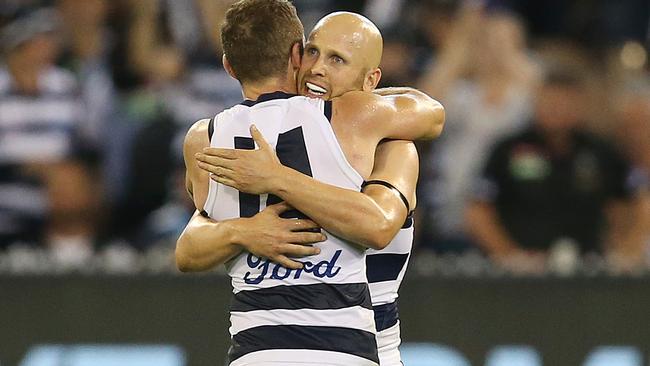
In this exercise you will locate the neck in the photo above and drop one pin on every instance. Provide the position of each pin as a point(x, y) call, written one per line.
point(252, 91)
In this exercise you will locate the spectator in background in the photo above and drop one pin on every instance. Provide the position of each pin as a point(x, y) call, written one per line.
point(485, 79)
point(552, 184)
point(46, 186)
point(88, 43)
point(174, 46)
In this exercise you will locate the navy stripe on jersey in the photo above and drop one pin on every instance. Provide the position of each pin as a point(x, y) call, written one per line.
point(408, 222)
point(320, 296)
point(386, 316)
point(345, 340)
point(211, 128)
point(292, 152)
point(249, 204)
point(384, 267)
point(267, 97)
point(328, 110)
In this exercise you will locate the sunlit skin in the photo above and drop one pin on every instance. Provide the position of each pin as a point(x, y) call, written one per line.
point(342, 54)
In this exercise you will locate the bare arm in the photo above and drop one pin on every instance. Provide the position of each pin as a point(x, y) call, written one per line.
point(206, 243)
point(371, 218)
point(196, 180)
point(392, 113)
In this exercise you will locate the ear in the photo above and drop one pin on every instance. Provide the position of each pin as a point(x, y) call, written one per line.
point(228, 67)
point(371, 80)
point(296, 55)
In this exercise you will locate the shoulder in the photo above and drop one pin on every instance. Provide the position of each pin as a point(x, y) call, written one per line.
point(358, 104)
point(197, 137)
point(356, 99)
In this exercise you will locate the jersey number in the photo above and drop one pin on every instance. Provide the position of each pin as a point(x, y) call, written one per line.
point(292, 152)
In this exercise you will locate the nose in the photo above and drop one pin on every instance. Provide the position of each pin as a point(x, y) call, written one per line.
point(318, 68)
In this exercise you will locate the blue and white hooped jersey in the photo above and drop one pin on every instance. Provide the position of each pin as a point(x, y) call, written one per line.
point(385, 271)
point(321, 314)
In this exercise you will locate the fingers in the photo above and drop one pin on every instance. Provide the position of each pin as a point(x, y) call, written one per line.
point(259, 138)
point(221, 153)
point(279, 208)
point(215, 160)
point(214, 169)
point(299, 251)
point(302, 225)
point(286, 262)
point(224, 180)
point(307, 238)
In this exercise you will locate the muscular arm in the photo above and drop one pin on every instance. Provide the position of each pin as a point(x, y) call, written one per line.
point(206, 243)
point(196, 180)
point(370, 219)
point(391, 113)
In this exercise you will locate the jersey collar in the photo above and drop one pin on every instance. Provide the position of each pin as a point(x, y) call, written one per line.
point(267, 97)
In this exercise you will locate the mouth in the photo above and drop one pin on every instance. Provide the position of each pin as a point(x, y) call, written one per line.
point(315, 90)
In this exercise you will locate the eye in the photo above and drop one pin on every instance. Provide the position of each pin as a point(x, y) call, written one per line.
point(337, 59)
point(311, 51)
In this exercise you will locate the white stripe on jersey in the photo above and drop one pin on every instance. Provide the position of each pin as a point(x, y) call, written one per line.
point(355, 317)
point(388, 341)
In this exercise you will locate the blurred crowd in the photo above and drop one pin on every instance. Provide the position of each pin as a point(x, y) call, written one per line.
point(545, 157)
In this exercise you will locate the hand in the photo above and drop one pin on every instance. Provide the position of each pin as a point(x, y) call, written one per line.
point(249, 171)
point(270, 236)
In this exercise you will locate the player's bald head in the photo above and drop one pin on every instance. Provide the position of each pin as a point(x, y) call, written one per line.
point(342, 54)
point(358, 32)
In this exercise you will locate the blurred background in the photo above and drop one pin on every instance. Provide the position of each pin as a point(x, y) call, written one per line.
point(533, 217)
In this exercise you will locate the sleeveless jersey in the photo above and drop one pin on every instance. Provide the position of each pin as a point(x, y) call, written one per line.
point(322, 312)
point(385, 271)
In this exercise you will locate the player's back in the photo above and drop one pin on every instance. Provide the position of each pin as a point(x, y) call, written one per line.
point(321, 314)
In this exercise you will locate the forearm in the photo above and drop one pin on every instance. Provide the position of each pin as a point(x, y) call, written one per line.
point(343, 212)
point(206, 243)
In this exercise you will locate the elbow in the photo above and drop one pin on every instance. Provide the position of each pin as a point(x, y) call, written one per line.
point(183, 256)
point(381, 235)
point(184, 263)
point(437, 120)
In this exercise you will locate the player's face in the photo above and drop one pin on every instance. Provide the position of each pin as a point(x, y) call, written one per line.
point(332, 65)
